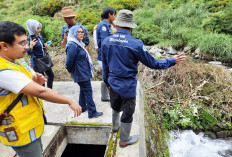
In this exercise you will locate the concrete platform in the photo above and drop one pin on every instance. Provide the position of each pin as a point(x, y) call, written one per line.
point(49, 132)
point(60, 113)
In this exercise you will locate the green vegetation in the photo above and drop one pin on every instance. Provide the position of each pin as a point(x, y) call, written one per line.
point(156, 134)
point(20, 11)
point(193, 96)
point(203, 24)
point(48, 7)
point(190, 96)
point(206, 25)
point(112, 145)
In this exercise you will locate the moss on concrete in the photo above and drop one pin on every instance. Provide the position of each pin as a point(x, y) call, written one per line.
point(92, 124)
point(112, 146)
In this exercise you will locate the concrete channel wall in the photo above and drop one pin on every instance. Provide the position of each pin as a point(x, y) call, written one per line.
point(63, 129)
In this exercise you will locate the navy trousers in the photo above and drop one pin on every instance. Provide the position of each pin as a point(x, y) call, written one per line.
point(86, 97)
point(50, 75)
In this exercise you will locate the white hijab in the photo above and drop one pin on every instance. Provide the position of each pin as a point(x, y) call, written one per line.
point(32, 26)
point(72, 36)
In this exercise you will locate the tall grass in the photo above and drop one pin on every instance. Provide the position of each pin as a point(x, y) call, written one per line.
point(218, 45)
point(181, 27)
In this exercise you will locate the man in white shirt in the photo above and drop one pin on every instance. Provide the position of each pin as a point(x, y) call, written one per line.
point(15, 78)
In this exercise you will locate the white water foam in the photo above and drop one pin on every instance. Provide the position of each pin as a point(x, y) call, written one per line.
point(188, 144)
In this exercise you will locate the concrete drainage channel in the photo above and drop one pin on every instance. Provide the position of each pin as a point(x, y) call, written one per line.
point(82, 140)
point(66, 132)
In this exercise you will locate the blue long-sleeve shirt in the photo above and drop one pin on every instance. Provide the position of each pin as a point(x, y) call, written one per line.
point(103, 31)
point(120, 56)
point(38, 49)
point(77, 63)
point(66, 28)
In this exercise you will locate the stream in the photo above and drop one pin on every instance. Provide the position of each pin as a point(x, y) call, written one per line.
point(188, 144)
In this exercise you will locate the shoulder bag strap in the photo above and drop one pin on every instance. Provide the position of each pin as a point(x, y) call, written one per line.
point(14, 103)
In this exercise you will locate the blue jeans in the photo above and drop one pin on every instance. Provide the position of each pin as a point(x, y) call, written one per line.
point(50, 75)
point(86, 97)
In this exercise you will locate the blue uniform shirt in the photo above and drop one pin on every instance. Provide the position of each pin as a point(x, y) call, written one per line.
point(103, 31)
point(66, 28)
point(77, 63)
point(120, 55)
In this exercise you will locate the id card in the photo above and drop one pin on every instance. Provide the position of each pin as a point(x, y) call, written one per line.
point(11, 134)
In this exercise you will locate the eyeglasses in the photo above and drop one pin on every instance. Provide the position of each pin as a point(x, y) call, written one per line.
point(80, 32)
point(23, 44)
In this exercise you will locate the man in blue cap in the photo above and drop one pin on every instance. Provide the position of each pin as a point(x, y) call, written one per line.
point(120, 55)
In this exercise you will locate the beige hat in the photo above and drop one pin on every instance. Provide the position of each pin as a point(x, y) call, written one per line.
point(125, 19)
point(68, 12)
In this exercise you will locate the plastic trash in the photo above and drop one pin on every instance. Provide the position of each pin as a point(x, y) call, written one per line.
point(49, 42)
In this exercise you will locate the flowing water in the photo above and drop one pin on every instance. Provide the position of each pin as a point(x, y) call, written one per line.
point(188, 144)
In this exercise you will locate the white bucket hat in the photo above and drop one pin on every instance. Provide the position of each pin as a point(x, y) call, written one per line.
point(125, 19)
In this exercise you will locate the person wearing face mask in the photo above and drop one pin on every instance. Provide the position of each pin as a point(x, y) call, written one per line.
point(79, 64)
point(37, 47)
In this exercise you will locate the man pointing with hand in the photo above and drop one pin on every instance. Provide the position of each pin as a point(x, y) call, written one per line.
point(21, 127)
point(120, 56)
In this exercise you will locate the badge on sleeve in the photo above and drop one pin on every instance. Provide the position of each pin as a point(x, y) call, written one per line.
point(144, 48)
point(104, 28)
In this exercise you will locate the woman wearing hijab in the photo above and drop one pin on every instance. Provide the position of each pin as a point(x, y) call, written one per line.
point(79, 64)
point(37, 47)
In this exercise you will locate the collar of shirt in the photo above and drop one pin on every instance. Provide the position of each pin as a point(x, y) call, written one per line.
point(123, 31)
point(106, 22)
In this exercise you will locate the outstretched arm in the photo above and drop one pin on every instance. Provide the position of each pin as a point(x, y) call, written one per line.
point(147, 59)
point(48, 94)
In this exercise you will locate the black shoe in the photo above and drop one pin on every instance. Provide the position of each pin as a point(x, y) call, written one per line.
point(96, 114)
point(106, 99)
point(84, 110)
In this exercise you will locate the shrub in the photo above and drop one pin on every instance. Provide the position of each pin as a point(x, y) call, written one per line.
point(17, 8)
point(173, 27)
point(92, 4)
point(205, 87)
point(89, 18)
point(151, 3)
point(3, 13)
point(2, 4)
point(49, 7)
point(220, 22)
point(176, 3)
point(219, 45)
point(152, 32)
point(124, 4)
point(147, 30)
point(215, 6)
